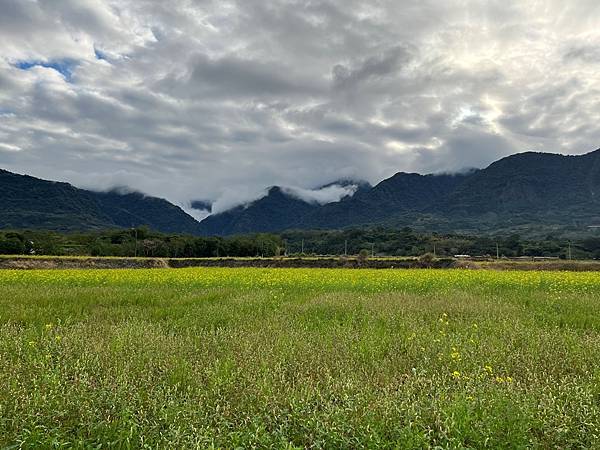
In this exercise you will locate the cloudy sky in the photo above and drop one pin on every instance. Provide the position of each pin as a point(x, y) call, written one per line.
point(214, 100)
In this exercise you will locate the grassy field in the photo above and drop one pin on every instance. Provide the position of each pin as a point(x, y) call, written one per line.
point(202, 358)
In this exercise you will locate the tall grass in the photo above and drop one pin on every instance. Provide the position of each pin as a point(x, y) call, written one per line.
point(205, 358)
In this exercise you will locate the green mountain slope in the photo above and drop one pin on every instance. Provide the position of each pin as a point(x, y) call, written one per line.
point(531, 183)
point(28, 202)
point(520, 191)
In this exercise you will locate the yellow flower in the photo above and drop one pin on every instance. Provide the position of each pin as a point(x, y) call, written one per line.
point(488, 369)
point(456, 374)
point(499, 380)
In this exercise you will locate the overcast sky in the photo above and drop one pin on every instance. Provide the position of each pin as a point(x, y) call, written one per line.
point(215, 100)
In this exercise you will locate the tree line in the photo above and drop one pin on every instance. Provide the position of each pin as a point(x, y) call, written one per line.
point(140, 241)
point(144, 242)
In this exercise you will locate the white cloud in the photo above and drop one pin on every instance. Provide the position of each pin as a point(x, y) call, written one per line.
point(236, 196)
point(328, 194)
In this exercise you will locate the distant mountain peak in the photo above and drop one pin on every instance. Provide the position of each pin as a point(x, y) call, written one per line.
point(201, 205)
point(122, 190)
point(275, 190)
point(346, 182)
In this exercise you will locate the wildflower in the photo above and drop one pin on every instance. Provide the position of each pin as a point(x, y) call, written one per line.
point(488, 369)
point(509, 379)
point(499, 380)
point(48, 326)
point(31, 343)
point(456, 374)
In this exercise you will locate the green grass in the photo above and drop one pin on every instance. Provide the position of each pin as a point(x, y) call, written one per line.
point(202, 358)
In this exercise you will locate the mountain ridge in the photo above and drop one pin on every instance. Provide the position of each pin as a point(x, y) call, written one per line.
point(524, 190)
point(30, 202)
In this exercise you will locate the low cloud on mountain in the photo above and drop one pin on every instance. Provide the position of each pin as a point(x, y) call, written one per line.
point(328, 194)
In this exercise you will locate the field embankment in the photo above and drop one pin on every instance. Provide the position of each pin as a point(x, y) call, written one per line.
point(53, 262)
point(84, 262)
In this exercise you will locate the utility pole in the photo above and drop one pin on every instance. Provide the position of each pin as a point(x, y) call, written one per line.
point(372, 249)
point(302, 247)
point(497, 251)
point(570, 254)
point(346, 247)
point(136, 241)
point(434, 254)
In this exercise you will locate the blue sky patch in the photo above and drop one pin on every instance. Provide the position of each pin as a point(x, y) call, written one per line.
point(64, 66)
point(100, 54)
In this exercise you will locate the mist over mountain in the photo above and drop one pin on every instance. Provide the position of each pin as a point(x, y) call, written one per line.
point(201, 205)
point(523, 191)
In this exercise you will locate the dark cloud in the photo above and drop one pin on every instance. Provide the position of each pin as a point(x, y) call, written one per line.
point(373, 68)
point(238, 78)
point(216, 100)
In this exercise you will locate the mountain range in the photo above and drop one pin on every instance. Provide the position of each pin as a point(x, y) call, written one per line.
point(523, 191)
